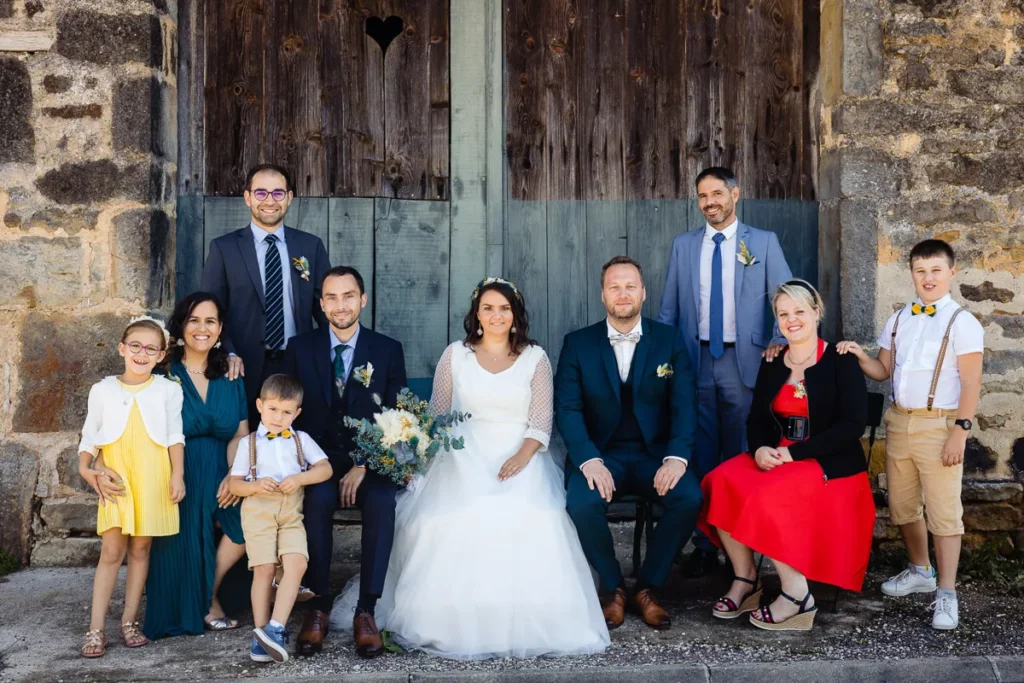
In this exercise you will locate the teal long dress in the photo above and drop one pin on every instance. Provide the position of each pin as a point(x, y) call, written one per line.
point(179, 587)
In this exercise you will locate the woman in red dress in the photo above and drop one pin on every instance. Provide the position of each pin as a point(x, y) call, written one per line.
point(803, 498)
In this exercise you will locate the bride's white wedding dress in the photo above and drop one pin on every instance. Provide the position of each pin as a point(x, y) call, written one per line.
point(482, 568)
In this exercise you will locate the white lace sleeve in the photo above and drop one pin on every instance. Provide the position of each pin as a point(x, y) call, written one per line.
point(541, 413)
point(441, 396)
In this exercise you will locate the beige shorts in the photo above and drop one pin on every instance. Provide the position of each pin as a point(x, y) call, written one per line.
point(916, 475)
point(272, 524)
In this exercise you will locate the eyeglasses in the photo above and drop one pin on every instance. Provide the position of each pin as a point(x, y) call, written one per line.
point(136, 348)
point(261, 195)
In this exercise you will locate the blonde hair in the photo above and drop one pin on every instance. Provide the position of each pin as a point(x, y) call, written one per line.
point(803, 293)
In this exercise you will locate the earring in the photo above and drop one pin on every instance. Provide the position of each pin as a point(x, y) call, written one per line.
point(479, 331)
point(181, 342)
point(513, 330)
point(217, 345)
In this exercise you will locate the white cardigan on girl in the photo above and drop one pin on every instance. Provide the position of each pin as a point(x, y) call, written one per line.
point(110, 405)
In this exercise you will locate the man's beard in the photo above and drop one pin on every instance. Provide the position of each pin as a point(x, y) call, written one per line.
point(634, 311)
point(260, 220)
point(724, 214)
point(340, 326)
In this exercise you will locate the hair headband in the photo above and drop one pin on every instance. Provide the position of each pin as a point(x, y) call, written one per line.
point(495, 280)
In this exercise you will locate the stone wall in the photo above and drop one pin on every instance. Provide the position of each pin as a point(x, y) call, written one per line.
point(88, 145)
point(922, 113)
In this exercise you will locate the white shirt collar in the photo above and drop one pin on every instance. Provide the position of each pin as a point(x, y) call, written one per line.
point(259, 234)
point(351, 343)
point(636, 328)
point(709, 232)
point(941, 303)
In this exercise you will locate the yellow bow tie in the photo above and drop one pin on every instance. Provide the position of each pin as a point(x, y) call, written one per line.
point(286, 434)
point(918, 309)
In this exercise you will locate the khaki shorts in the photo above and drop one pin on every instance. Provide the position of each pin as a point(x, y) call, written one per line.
point(916, 475)
point(272, 524)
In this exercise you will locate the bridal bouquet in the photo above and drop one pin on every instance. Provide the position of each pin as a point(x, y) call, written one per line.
point(400, 442)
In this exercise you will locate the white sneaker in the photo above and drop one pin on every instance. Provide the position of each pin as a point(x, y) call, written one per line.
point(908, 581)
point(947, 613)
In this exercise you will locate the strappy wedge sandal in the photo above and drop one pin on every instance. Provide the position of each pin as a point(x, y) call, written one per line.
point(94, 644)
point(132, 635)
point(750, 601)
point(801, 621)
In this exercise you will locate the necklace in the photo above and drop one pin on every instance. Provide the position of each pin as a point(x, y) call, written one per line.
point(792, 361)
point(194, 372)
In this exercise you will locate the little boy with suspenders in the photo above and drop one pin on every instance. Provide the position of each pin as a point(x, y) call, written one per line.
point(935, 395)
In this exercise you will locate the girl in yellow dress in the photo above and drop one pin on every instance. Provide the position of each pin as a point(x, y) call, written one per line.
point(134, 427)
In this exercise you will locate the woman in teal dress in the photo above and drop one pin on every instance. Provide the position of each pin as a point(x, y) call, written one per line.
point(185, 571)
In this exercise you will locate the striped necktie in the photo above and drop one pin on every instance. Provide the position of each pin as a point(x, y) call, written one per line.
point(273, 335)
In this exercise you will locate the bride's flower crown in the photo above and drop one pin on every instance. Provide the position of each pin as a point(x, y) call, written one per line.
point(492, 280)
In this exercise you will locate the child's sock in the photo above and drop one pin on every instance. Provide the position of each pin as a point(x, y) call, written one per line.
point(924, 570)
point(945, 593)
point(275, 624)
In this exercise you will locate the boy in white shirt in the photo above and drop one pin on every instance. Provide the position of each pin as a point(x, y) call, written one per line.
point(936, 384)
point(271, 467)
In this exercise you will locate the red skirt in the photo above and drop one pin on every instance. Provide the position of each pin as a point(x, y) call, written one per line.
point(823, 529)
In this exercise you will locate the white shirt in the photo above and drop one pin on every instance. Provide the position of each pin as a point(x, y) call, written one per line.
point(918, 339)
point(260, 236)
point(624, 350)
point(707, 251)
point(275, 458)
point(110, 405)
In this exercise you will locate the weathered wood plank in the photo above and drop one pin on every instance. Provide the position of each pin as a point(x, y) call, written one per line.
point(602, 90)
point(494, 185)
point(411, 279)
point(191, 97)
point(351, 242)
point(651, 226)
point(333, 53)
point(292, 86)
point(526, 103)
point(606, 237)
point(188, 248)
point(569, 283)
point(562, 71)
point(653, 115)
point(809, 122)
point(795, 222)
point(469, 146)
point(526, 261)
point(227, 214)
point(700, 80)
point(438, 184)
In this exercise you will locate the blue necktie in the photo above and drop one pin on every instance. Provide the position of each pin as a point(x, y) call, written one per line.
point(273, 335)
point(716, 336)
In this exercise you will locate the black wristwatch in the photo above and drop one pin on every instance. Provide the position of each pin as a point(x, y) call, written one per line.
point(964, 424)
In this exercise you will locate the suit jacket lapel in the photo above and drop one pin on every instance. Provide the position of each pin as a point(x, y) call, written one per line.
point(742, 234)
point(696, 243)
point(247, 246)
point(324, 367)
point(640, 354)
point(292, 239)
point(604, 349)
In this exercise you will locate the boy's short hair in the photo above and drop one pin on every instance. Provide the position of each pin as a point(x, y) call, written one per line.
point(281, 387)
point(931, 249)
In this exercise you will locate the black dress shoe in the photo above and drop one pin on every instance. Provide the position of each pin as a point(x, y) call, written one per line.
point(701, 563)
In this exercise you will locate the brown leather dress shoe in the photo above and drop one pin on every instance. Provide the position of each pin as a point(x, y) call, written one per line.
point(614, 607)
point(369, 644)
point(314, 630)
point(653, 614)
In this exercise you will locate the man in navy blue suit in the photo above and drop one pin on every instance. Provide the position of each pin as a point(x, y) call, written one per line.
point(341, 366)
point(625, 406)
point(268, 277)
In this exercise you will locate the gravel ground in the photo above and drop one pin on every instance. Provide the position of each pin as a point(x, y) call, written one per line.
point(45, 611)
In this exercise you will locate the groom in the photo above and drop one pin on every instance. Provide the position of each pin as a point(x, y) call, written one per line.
point(341, 366)
point(625, 406)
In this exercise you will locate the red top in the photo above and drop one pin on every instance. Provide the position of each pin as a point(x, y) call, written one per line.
point(791, 401)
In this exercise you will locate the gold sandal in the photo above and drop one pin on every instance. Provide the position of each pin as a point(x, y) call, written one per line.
point(94, 644)
point(132, 636)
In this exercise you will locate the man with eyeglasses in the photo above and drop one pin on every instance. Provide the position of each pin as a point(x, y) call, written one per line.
point(268, 277)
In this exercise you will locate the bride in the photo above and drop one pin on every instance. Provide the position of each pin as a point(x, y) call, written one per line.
point(486, 562)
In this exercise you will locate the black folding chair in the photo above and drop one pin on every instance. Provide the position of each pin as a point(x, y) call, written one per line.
point(643, 511)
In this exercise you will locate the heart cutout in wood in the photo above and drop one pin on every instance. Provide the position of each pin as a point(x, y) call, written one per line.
point(384, 31)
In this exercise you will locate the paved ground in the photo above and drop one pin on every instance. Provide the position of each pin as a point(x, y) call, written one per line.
point(43, 613)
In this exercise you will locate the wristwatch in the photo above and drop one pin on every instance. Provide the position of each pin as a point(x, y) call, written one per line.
point(964, 424)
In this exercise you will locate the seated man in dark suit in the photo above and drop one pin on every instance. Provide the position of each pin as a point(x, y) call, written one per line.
point(268, 278)
point(341, 366)
point(625, 406)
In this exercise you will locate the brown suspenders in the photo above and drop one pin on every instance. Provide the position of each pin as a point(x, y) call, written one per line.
point(252, 454)
point(938, 362)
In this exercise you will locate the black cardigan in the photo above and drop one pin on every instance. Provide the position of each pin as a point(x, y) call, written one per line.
point(837, 400)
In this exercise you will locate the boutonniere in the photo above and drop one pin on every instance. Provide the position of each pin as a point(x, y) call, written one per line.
point(301, 265)
point(744, 256)
point(799, 391)
point(665, 370)
point(364, 374)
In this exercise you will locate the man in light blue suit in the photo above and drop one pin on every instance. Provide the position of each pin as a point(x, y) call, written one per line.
point(719, 278)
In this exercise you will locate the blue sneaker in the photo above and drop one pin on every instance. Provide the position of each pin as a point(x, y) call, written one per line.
point(257, 653)
point(274, 641)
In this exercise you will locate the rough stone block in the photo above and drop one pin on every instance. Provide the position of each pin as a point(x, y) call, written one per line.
point(38, 270)
point(883, 117)
point(929, 213)
point(1012, 325)
point(109, 38)
point(946, 145)
point(142, 241)
point(979, 458)
point(69, 516)
point(33, 7)
point(917, 77)
point(991, 492)
point(920, 29)
point(54, 83)
point(67, 470)
point(1004, 85)
point(858, 228)
point(992, 517)
point(999, 173)
point(94, 181)
point(865, 172)
point(145, 117)
point(62, 357)
point(935, 8)
point(17, 139)
point(19, 469)
point(66, 552)
point(6, 9)
point(863, 67)
point(74, 111)
point(54, 218)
